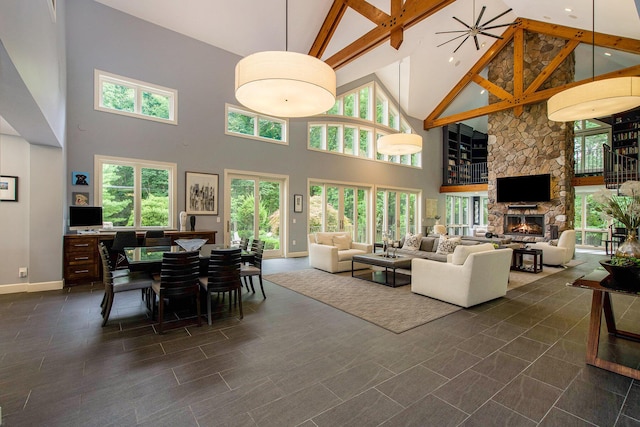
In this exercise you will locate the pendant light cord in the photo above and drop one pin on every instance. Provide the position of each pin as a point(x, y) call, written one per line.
point(286, 25)
point(593, 40)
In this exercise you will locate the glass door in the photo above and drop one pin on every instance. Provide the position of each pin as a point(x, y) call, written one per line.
point(255, 204)
point(396, 214)
point(338, 208)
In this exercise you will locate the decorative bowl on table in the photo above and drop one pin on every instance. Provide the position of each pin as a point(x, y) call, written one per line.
point(190, 244)
point(624, 276)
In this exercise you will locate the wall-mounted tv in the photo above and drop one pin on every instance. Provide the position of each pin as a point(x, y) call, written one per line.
point(85, 217)
point(526, 188)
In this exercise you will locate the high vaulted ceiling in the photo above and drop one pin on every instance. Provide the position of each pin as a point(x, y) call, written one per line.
point(428, 72)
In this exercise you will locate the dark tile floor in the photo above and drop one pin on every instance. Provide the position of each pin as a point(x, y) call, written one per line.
point(516, 361)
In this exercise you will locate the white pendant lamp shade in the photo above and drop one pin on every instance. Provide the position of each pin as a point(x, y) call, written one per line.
point(398, 144)
point(595, 99)
point(285, 84)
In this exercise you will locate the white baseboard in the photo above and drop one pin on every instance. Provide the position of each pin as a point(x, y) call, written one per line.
point(297, 254)
point(31, 287)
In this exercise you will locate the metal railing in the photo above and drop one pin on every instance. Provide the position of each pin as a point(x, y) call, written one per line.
point(618, 168)
point(474, 173)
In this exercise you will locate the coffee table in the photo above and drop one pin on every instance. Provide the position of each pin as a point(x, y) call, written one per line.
point(389, 263)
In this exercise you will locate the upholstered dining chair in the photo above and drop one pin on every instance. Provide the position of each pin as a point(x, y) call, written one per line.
point(178, 279)
point(223, 276)
point(116, 281)
point(123, 239)
point(255, 267)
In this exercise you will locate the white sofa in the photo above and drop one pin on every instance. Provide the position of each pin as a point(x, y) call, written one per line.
point(332, 251)
point(471, 275)
point(558, 254)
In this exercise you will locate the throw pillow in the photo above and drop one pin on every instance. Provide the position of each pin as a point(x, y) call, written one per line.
point(412, 241)
point(553, 242)
point(446, 245)
point(324, 239)
point(342, 242)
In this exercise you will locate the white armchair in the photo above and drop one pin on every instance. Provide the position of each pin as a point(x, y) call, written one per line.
point(560, 254)
point(471, 275)
point(333, 251)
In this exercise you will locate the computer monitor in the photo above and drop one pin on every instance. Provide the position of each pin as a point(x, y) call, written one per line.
point(85, 218)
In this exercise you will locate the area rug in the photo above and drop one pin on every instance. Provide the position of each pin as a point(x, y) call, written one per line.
point(521, 278)
point(395, 309)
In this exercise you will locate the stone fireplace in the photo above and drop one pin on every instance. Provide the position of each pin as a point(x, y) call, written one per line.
point(528, 225)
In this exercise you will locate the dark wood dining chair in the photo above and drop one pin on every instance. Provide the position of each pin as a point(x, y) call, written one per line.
point(244, 243)
point(249, 270)
point(178, 280)
point(153, 234)
point(157, 241)
point(123, 239)
point(116, 281)
point(223, 276)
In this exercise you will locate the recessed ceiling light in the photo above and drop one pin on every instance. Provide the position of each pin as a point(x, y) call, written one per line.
point(568, 9)
point(482, 92)
point(451, 59)
point(483, 44)
point(607, 54)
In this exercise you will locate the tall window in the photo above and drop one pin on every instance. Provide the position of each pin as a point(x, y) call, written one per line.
point(366, 115)
point(134, 98)
point(589, 136)
point(136, 193)
point(246, 123)
point(458, 215)
point(339, 207)
point(591, 228)
point(396, 213)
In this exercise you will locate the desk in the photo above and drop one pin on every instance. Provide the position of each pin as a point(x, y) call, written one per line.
point(601, 302)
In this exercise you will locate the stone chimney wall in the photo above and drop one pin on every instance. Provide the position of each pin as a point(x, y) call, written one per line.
point(530, 144)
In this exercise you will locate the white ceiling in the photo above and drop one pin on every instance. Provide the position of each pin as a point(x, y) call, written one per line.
point(248, 26)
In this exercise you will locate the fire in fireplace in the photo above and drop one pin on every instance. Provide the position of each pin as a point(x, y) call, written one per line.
point(531, 225)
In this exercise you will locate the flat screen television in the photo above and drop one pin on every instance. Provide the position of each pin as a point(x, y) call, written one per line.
point(526, 188)
point(84, 218)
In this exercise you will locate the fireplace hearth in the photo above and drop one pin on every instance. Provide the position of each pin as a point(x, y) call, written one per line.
point(529, 225)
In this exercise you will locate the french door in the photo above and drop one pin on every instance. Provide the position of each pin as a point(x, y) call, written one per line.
point(337, 207)
point(254, 206)
point(396, 213)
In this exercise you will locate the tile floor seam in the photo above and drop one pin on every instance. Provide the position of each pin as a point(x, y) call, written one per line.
point(626, 396)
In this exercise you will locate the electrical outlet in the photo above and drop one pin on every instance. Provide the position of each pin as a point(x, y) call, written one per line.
point(22, 272)
point(294, 243)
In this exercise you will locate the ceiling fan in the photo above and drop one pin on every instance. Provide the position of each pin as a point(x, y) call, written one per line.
point(477, 28)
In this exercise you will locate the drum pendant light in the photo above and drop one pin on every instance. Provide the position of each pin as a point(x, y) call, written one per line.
point(285, 84)
point(398, 144)
point(598, 98)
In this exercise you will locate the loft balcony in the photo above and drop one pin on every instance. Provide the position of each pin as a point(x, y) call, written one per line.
point(467, 174)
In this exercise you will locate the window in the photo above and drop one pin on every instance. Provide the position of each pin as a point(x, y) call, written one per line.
point(458, 215)
point(591, 228)
point(136, 193)
point(122, 95)
point(396, 213)
point(253, 125)
point(589, 137)
point(367, 116)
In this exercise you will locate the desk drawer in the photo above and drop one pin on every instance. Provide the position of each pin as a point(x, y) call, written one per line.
point(87, 272)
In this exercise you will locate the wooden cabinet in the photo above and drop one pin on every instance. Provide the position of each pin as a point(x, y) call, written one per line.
point(81, 259)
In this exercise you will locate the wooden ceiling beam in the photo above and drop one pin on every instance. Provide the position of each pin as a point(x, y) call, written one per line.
point(329, 26)
point(551, 66)
point(491, 87)
point(518, 69)
point(368, 10)
point(532, 98)
point(410, 14)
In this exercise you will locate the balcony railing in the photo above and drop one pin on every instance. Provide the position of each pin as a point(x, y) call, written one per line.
point(618, 168)
point(474, 173)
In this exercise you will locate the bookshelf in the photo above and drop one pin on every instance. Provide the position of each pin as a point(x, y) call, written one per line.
point(462, 146)
point(624, 133)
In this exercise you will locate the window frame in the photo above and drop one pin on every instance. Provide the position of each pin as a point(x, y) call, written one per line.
point(256, 126)
point(139, 87)
point(138, 165)
point(582, 134)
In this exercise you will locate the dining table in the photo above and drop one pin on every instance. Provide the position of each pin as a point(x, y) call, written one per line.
point(149, 258)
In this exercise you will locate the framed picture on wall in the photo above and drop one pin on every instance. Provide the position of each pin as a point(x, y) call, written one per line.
point(297, 203)
point(80, 178)
point(8, 188)
point(80, 199)
point(201, 190)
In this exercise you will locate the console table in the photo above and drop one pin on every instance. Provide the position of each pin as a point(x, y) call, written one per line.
point(601, 302)
point(81, 259)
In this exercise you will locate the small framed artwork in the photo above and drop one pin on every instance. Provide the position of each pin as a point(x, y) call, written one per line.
point(201, 191)
point(297, 203)
point(80, 199)
point(476, 210)
point(80, 178)
point(8, 188)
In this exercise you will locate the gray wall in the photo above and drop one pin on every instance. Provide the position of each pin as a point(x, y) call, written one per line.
point(32, 99)
point(103, 38)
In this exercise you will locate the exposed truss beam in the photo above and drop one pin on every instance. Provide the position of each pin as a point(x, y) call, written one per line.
point(387, 27)
point(523, 96)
